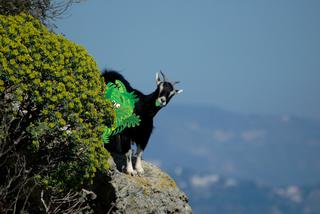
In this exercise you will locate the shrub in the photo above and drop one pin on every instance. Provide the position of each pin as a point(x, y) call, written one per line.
point(52, 109)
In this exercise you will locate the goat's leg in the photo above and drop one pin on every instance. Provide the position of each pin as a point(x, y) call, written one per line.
point(138, 165)
point(118, 147)
point(129, 169)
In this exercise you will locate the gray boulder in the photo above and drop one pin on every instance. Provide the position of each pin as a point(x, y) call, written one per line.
point(153, 192)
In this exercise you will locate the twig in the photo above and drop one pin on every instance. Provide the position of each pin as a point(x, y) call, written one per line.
point(43, 202)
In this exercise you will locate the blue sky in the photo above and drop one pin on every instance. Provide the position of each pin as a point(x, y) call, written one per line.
point(251, 56)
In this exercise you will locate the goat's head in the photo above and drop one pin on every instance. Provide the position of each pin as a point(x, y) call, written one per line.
point(166, 90)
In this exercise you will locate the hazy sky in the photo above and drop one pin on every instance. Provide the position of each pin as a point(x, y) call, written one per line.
point(252, 56)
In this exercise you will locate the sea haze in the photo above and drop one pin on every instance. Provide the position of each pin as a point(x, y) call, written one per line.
point(248, 162)
point(275, 150)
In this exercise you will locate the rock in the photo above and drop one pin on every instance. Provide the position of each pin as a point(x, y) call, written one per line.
point(153, 192)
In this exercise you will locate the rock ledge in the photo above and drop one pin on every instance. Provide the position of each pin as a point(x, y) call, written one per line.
point(154, 192)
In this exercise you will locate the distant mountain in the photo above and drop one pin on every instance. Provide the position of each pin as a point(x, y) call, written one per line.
point(231, 163)
point(271, 150)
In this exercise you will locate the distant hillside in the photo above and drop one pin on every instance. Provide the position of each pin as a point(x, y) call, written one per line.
point(274, 150)
point(212, 193)
point(235, 163)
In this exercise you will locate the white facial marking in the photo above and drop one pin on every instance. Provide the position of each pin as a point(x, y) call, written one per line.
point(162, 100)
point(161, 88)
point(172, 93)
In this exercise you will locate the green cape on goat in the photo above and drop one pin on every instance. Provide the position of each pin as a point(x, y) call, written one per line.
point(123, 103)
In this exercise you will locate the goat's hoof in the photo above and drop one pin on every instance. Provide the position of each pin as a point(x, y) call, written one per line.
point(131, 172)
point(140, 172)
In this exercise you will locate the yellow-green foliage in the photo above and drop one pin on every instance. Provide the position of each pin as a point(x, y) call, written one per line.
point(58, 89)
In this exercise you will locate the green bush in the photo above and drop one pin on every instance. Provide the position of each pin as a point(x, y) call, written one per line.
point(52, 110)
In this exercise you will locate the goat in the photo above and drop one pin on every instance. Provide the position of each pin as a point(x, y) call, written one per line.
point(146, 108)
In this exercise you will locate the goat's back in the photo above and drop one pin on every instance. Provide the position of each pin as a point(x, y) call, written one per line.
point(112, 76)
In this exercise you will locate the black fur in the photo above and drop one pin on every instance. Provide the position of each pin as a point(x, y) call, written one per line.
point(145, 108)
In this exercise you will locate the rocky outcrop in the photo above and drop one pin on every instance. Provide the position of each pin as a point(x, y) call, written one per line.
point(154, 192)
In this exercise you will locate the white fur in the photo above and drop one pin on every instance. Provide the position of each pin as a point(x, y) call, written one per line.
point(129, 168)
point(162, 100)
point(172, 93)
point(138, 165)
point(179, 91)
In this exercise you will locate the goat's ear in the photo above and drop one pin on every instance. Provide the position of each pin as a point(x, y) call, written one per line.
point(175, 82)
point(158, 80)
point(179, 91)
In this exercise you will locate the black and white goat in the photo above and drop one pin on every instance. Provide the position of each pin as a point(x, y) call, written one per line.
point(147, 107)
